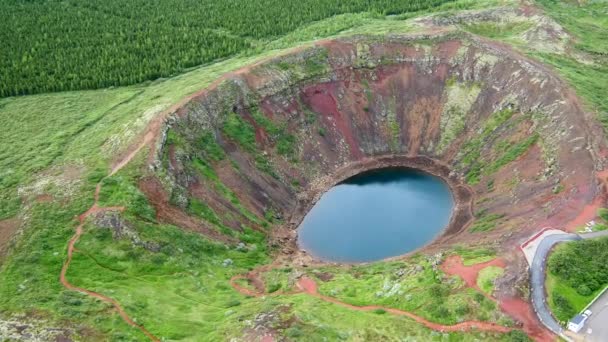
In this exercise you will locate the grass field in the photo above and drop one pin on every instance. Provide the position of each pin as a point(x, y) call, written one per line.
point(62, 144)
point(57, 142)
point(472, 256)
point(416, 286)
point(576, 274)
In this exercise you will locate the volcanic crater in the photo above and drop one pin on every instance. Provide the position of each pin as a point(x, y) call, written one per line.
point(257, 149)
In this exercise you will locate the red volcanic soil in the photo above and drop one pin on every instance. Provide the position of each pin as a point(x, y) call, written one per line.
point(522, 311)
point(453, 266)
point(321, 99)
point(589, 212)
point(7, 229)
point(309, 286)
point(517, 308)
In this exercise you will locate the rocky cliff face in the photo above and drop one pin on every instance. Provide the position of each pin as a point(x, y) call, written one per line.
point(266, 141)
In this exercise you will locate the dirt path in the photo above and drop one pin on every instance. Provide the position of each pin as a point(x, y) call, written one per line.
point(309, 286)
point(147, 138)
point(71, 249)
point(517, 308)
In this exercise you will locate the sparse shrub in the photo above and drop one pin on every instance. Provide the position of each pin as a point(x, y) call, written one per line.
point(584, 290)
point(462, 309)
point(599, 227)
point(294, 332)
point(380, 311)
point(237, 129)
point(479, 298)
point(562, 304)
point(603, 213)
point(274, 287)
point(486, 222)
point(233, 303)
point(518, 336)
point(441, 312)
point(439, 290)
point(210, 147)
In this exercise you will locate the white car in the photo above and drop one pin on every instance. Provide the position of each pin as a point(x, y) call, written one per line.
point(587, 313)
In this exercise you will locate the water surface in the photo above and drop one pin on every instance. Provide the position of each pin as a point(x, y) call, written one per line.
point(376, 215)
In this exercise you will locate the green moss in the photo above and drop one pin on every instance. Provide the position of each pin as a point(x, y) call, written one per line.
point(120, 191)
point(472, 256)
point(485, 222)
point(512, 153)
point(394, 129)
point(487, 277)
point(460, 98)
point(210, 148)
point(209, 173)
point(413, 286)
point(240, 131)
point(498, 30)
point(202, 210)
point(471, 151)
point(285, 142)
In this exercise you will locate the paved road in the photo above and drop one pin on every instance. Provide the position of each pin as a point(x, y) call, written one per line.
point(597, 321)
point(537, 278)
point(594, 234)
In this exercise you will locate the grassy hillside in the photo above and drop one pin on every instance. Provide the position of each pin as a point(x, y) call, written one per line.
point(61, 144)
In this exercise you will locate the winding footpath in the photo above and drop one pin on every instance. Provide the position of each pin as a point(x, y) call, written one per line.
point(308, 286)
point(94, 209)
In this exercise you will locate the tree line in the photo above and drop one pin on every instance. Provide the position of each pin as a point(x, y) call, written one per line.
point(51, 45)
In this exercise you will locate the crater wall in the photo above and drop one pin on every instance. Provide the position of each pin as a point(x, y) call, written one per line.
point(255, 150)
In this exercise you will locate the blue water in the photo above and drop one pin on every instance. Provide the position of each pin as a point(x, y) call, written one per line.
point(376, 215)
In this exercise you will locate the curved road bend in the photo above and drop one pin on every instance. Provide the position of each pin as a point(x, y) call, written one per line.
point(537, 275)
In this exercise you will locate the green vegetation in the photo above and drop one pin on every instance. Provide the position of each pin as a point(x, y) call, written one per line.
point(603, 213)
point(498, 30)
point(487, 277)
point(416, 286)
point(71, 45)
point(585, 63)
point(577, 273)
point(242, 132)
point(585, 79)
point(586, 21)
point(512, 153)
point(285, 142)
point(472, 256)
point(485, 222)
point(187, 278)
point(208, 173)
point(471, 152)
point(62, 144)
point(502, 154)
point(210, 148)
